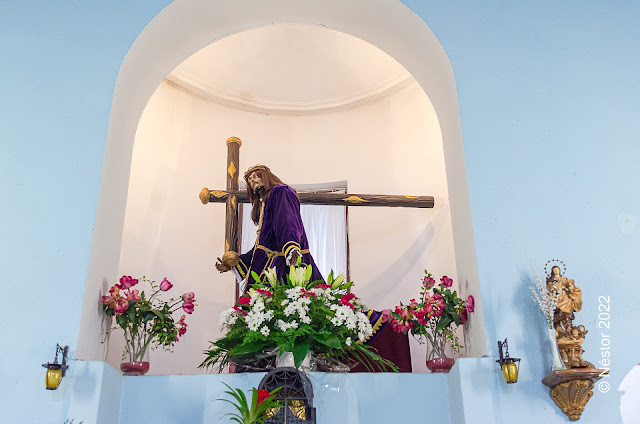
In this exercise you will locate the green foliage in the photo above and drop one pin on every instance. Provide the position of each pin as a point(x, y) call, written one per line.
point(295, 316)
point(254, 413)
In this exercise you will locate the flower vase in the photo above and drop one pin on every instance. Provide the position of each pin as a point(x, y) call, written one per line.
point(437, 360)
point(287, 360)
point(135, 357)
point(557, 363)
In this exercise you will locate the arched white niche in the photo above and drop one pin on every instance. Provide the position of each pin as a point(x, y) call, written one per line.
point(187, 26)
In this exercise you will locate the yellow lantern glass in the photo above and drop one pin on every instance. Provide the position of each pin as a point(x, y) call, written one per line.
point(54, 375)
point(510, 371)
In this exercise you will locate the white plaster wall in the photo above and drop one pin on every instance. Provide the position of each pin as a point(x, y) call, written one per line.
point(392, 146)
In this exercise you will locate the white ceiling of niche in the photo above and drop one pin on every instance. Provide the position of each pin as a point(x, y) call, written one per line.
point(291, 69)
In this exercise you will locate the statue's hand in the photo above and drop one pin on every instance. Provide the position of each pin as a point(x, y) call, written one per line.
point(230, 258)
point(221, 266)
point(228, 261)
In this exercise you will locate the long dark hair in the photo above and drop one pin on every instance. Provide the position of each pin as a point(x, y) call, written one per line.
point(269, 180)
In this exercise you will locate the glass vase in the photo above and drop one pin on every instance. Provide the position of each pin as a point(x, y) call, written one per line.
point(437, 359)
point(287, 360)
point(556, 360)
point(135, 358)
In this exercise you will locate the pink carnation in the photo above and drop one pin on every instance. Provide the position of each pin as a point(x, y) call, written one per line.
point(189, 297)
point(244, 300)
point(323, 286)
point(446, 281)
point(386, 315)
point(428, 282)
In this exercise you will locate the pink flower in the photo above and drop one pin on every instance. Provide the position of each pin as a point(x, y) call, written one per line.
point(446, 281)
point(323, 286)
point(183, 326)
point(428, 282)
point(438, 305)
point(402, 324)
point(133, 295)
point(165, 285)
point(464, 316)
point(127, 282)
point(386, 315)
point(413, 304)
point(345, 300)
point(471, 303)
point(121, 305)
point(265, 292)
point(188, 307)
point(189, 297)
point(244, 300)
point(239, 310)
point(107, 300)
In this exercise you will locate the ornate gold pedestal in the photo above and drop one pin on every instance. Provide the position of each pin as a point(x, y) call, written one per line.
point(571, 389)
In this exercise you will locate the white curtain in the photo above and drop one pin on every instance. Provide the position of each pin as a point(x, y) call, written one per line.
point(326, 228)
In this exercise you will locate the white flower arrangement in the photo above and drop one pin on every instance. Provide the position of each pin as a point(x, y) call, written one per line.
point(295, 316)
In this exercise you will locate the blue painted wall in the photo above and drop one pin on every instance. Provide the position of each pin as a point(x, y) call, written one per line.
point(60, 60)
point(549, 98)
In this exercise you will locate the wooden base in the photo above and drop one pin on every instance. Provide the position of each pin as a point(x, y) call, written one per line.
point(571, 389)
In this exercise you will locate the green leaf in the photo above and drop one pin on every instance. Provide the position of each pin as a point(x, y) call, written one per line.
point(247, 348)
point(443, 323)
point(255, 276)
point(299, 351)
point(122, 320)
point(330, 340)
point(307, 275)
point(131, 313)
point(330, 278)
point(148, 317)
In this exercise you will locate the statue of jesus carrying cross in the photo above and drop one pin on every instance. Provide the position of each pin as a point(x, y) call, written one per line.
point(281, 238)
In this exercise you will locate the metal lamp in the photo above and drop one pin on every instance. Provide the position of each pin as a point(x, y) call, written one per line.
point(510, 366)
point(56, 371)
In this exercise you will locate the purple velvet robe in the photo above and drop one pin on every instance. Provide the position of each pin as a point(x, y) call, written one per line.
point(281, 231)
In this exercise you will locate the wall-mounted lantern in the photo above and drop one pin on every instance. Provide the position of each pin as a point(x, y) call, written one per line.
point(56, 371)
point(510, 366)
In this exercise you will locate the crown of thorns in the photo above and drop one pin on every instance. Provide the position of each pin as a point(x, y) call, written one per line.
point(255, 168)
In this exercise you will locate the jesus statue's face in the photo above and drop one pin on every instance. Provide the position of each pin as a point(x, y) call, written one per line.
point(255, 181)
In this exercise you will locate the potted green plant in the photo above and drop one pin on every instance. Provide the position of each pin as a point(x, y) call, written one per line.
point(263, 404)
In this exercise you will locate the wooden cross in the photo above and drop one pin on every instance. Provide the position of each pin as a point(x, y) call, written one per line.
point(232, 197)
